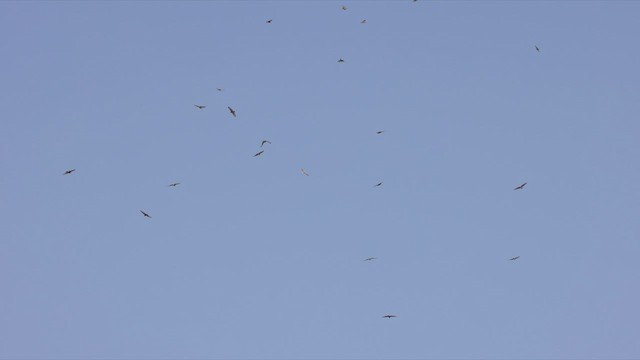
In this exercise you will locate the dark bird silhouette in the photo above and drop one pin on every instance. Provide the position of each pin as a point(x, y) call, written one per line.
point(344, 7)
point(69, 172)
point(145, 214)
point(363, 21)
point(369, 259)
point(174, 184)
point(515, 258)
point(258, 154)
point(233, 112)
point(378, 184)
point(380, 132)
point(265, 142)
point(200, 106)
point(304, 172)
point(340, 60)
point(537, 48)
point(219, 89)
point(269, 21)
point(390, 316)
point(520, 187)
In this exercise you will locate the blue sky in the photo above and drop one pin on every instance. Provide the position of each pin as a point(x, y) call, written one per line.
point(249, 258)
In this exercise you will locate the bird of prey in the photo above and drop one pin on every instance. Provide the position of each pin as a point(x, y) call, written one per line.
point(378, 184)
point(379, 132)
point(304, 172)
point(515, 258)
point(233, 112)
point(537, 48)
point(269, 21)
point(341, 60)
point(363, 21)
point(200, 106)
point(145, 214)
point(258, 153)
point(390, 316)
point(344, 7)
point(520, 187)
point(265, 142)
point(369, 259)
point(174, 184)
point(69, 172)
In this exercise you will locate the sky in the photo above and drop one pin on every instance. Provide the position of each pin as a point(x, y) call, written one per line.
point(248, 258)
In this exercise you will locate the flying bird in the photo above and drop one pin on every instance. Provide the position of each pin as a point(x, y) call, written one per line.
point(369, 259)
point(269, 21)
point(390, 316)
point(219, 89)
point(258, 154)
point(233, 112)
point(537, 48)
point(174, 184)
point(363, 21)
point(145, 214)
point(344, 7)
point(379, 132)
point(515, 258)
point(304, 172)
point(265, 142)
point(520, 187)
point(200, 106)
point(378, 184)
point(340, 60)
point(69, 172)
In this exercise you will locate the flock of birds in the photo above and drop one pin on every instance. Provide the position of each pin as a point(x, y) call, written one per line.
point(234, 114)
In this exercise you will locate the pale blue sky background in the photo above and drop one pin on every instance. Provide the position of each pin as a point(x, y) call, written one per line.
point(248, 258)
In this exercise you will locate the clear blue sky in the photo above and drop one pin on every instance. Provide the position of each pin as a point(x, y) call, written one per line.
point(249, 258)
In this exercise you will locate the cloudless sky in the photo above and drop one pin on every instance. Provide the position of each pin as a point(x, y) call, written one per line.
point(249, 258)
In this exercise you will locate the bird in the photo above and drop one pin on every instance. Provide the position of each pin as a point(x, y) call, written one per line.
point(69, 172)
point(390, 316)
point(145, 214)
point(363, 21)
point(369, 259)
point(269, 21)
point(379, 132)
point(304, 172)
point(219, 89)
point(537, 48)
point(344, 7)
point(520, 187)
point(200, 106)
point(258, 154)
point(378, 184)
point(340, 60)
point(265, 142)
point(174, 184)
point(515, 258)
point(233, 112)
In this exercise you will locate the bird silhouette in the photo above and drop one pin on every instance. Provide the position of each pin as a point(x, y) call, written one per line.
point(219, 89)
point(69, 172)
point(379, 132)
point(233, 112)
point(537, 48)
point(344, 7)
point(340, 60)
point(174, 184)
point(269, 21)
point(378, 184)
point(145, 214)
point(258, 153)
point(390, 316)
point(363, 21)
point(515, 258)
point(200, 106)
point(304, 172)
point(265, 142)
point(369, 259)
point(520, 187)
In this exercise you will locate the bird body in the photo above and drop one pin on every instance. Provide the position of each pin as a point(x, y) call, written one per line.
point(265, 142)
point(378, 184)
point(269, 21)
point(515, 258)
point(145, 214)
point(379, 132)
point(174, 184)
point(363, 21)
point(389, 316)
point(340, 60)
point(233, 112)
point(200, 106)
point(369, 259)
point(259, 153)
point(304, 172)
point(520, 187)
point(537, 48)
point(344, 7)
point(69, 172)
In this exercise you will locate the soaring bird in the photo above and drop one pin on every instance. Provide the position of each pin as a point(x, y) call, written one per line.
point(269, 21)
point(233, 112)
point(200, 106)
point(537, 48)
point(344, 7)
point(69, 172)
point(219, 89)
point(520, 187)
point(363, 21)
point(515, 258)
point(258, 153)
point(340, 60)
point(369, 259)
point(390, 316)
point(145, 214)
point(265, 142)
point(174, 184)
point(378, 184)
point(304, 172)
point(379, 132)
